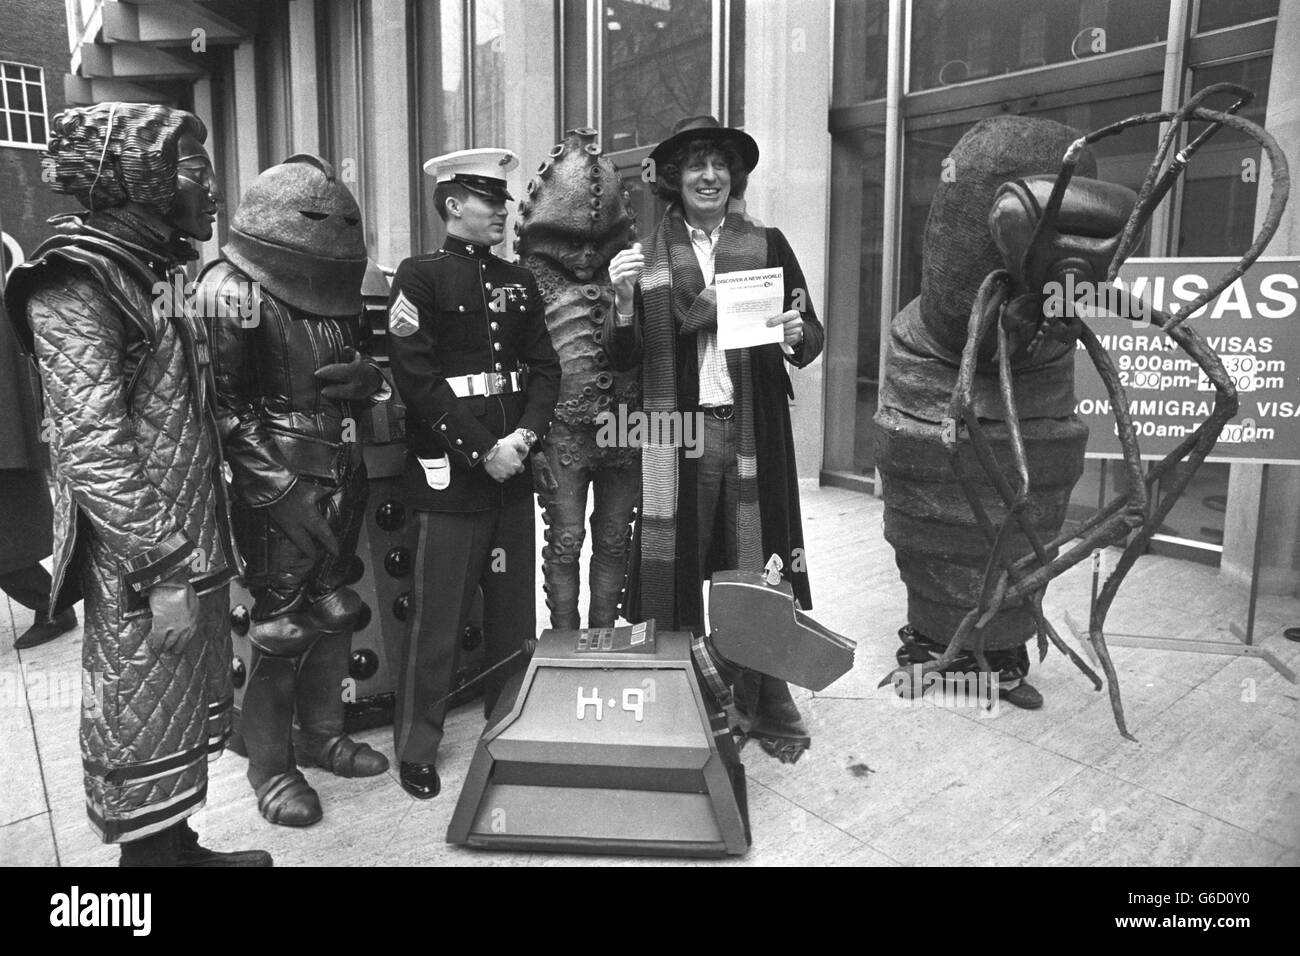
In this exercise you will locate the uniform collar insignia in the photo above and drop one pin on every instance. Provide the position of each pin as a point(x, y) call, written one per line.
point(463, 247)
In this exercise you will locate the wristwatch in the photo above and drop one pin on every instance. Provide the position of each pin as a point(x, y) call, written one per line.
point(529, 435)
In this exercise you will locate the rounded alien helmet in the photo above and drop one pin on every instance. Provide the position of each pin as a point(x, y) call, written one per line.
point(298, 233)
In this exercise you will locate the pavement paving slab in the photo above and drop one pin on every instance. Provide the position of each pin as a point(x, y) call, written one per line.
point(1214, 778)
point(915, 784)
point(1234, 760)
point(28, 842)
point(1095, 819)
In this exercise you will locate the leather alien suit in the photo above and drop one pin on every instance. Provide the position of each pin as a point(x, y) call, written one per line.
point(285, 305)
point(576, 217)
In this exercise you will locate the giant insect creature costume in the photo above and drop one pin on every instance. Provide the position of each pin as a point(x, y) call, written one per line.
point(576, 217)
point(285, 304)
point(977, 443)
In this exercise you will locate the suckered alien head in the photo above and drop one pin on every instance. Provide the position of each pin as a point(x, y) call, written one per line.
point(577, 211)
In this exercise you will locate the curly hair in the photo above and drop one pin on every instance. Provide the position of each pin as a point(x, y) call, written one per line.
point(111, 153)
point(668, 184)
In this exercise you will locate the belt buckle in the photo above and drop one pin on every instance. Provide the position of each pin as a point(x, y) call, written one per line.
point(496, 383)
point(731, 412)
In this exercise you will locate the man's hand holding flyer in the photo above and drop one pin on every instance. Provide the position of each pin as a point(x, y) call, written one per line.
point(746, 300)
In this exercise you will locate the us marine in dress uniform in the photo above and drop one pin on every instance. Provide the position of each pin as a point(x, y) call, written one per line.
point(473, 363)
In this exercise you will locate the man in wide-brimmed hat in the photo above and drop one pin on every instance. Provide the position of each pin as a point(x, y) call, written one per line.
point(738, 502)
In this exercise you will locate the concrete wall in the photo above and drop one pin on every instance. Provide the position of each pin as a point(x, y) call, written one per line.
point(387, 134)
point(530, 85)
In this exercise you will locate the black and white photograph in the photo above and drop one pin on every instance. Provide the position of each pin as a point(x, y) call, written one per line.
point(644, 433)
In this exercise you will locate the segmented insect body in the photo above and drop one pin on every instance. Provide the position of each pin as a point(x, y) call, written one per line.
point(980, 375)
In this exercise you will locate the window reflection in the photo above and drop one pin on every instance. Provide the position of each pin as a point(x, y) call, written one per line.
point(861, 50)
point(1216, 14)
point(1223, 176)
point(852, 354)
point(439, 84)
point(658, 63)
point(489, 73)
point(574, 69)
point(736, 61)
point(954, 41)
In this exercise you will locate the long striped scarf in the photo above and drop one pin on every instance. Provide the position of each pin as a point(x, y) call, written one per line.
point(675, 301)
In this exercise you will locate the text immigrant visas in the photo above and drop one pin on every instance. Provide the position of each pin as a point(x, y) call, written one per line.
point(1252, 325)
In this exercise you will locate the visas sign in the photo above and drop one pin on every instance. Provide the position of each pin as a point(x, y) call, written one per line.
point(1253, 325)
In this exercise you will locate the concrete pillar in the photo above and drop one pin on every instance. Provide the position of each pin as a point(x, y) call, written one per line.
point(387, 134)
point(305, 107)
point(247, 154)
point(1280, 559)
point(787, 97)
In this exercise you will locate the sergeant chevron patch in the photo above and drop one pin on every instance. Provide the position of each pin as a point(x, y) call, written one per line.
point(403, 317)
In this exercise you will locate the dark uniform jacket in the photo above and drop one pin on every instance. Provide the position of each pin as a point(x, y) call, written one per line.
point(275, 423)
point(475, 313)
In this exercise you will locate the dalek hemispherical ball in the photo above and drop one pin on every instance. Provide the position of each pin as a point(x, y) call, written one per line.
point(398, 562)
point(364, 616)
point(356, 570)
point(390, 516)
point(364, 664)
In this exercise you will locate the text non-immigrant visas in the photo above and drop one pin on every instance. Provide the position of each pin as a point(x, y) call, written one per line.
point(1253, 326)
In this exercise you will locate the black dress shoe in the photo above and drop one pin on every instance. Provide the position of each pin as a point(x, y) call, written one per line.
point(420, 780)
point(1023, 695)
point(45, 629)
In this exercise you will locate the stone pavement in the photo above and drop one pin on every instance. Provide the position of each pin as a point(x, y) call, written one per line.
point(1213, 780)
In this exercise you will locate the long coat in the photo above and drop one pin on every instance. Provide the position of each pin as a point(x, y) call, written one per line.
point(778, 479)
point(139, 496)
point(25, 511)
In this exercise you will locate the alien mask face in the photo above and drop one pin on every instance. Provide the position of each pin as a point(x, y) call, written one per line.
point(577, 212)
point(298, 232)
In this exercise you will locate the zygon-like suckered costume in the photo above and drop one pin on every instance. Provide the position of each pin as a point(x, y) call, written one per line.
point(284, 305)
point(576, 217)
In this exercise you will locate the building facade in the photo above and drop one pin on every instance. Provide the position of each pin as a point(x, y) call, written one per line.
point(854, 103)
point(33, 60)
